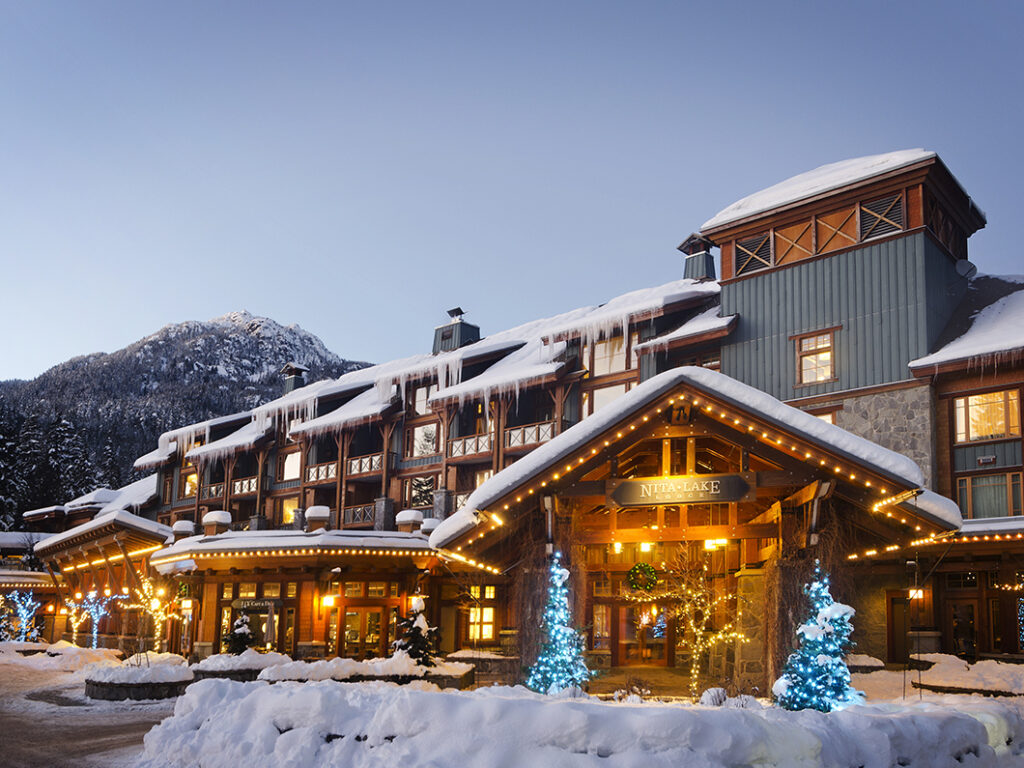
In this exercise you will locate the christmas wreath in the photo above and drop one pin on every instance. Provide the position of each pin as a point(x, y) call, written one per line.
point(642, 576)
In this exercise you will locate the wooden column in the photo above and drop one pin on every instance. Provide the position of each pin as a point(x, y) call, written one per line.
point(229, 474)
point(261, 464)
point(128, 565)
point(386, 430)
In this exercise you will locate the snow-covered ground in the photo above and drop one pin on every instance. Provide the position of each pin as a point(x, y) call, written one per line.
point(225, 723)
point(46, 719)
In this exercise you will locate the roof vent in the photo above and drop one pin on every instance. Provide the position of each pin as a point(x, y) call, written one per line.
point(456, 333)
point(699, 264)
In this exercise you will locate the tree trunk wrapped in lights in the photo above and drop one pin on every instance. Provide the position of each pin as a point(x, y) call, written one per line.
point(816, 675)
point(685, 593)
point(153, 602)
point(560, 665)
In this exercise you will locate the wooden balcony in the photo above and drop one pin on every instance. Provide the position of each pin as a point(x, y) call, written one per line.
point(359, 515)
point(471, 445)
point(243, 486)
point(460, 500)
point(212, 491)
point(322, 473)
point(529, 435)
point(373, 464)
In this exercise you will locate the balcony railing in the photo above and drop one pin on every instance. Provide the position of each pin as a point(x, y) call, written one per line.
point(360, 514)
point(320, 472)
point(469, 445)
point(365, 465)
point(212, 491)
point(243, 485)
point(529, 434)
point(460, 500)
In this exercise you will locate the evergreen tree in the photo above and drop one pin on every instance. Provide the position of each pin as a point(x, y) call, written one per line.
point(418, 639)
point(241, 636)
point(11, 487)
point(32, 465)
point(816, 675)
point(560, 664)
point(69, 461)
point(108, 471)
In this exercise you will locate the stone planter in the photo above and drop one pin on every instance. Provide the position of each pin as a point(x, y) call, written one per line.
point(134, 691)
point(960, 691)
point(460, 682)
point(238, 675)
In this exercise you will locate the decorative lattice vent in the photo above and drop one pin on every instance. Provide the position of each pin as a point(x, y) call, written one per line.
point(881, 217)
point(754, 253)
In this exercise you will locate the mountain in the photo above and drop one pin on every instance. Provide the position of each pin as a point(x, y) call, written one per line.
point(185, 372)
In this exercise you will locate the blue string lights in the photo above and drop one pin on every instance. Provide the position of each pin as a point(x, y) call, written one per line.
point(560, 665)
point(96, 606)
point(816, 675)
point(25, 607)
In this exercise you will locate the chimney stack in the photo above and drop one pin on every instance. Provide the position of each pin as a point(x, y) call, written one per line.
point(294, 376)
point(699, 264)
point(217, 521)
point(317, 518)
point(409, 520)
point(182, 529)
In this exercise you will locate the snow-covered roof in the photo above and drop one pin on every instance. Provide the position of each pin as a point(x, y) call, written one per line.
point(120, 517)
point(822, 179)
point(708, 321)
point(742, 396)
point(98, 497)
point(362, 408)
point(159, 455)
point(937, 506)
point(240, 440)
point(185, 436)
point(43, 511)
point(531, 363)
point(994, 324)
point(132, 496)
point(17, 579)
point(992, 525)
point(250, 541)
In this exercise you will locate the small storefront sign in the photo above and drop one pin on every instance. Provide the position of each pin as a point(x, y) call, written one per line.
point(680, 489)
point(257, 605)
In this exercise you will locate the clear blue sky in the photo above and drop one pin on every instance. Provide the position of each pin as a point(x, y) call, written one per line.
point(358, 168)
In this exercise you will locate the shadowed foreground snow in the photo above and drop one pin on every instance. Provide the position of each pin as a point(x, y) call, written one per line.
point(226, 723)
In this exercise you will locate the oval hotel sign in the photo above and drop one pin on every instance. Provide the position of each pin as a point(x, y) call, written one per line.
point(680, 489)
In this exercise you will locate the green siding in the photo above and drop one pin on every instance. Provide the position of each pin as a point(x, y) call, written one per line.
point(1007, 454)
point(891, 298)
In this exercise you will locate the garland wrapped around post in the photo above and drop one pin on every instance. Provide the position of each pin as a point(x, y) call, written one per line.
point(816, 675)
point(560, 665)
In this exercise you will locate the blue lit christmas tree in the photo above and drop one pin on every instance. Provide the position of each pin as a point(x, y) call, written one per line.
point(560, 664)
point(816, 675)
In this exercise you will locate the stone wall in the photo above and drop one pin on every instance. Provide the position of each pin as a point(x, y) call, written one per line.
point(902, 420)
point(870, 631)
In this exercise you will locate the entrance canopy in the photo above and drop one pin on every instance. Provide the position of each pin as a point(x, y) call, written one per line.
point(691, 436)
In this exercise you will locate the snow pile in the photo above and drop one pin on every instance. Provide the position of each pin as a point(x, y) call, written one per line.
point(989, 675)
point(133, 673)
point(247, 659)
point(224, 724)
point(822, 179)
point(469, 653)
point(15, 646)
point(398, 665)
point(152, 658)
point(62, 656)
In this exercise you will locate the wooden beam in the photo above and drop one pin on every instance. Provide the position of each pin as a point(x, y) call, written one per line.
point(690, 533)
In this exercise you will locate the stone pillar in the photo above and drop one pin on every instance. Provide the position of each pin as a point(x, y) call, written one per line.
point(443, 501)
point(384, 514)
point(751, 669)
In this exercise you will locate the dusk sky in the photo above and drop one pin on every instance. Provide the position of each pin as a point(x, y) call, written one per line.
point(360, 168)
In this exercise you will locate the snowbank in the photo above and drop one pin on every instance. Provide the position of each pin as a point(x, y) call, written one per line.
point(224, 724)
point(248, 659)
point(124, 673)
point(62, 656)
point(15, 646)
point(398, 665)
point(864, 661)
point(952, 672)
point(151, 658)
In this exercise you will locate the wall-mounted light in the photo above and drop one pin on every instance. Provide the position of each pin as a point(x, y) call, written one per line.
point(186, 604)
point(712, 545)
point(916, 594)
point(645, 546)
point(616, 547)
point(328, 601)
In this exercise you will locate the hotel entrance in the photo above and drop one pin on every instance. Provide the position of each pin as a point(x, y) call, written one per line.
point(365, 633)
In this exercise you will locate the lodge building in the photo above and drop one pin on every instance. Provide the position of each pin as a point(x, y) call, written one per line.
point(848, 390)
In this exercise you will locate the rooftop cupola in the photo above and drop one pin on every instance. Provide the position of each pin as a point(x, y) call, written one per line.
point(456, 333)
point(699, 264)
point(294, 376)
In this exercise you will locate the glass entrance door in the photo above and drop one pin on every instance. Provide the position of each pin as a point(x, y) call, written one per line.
point(641, 635)
point(362, 633)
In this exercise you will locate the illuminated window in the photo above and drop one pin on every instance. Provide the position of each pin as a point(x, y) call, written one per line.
point(289, 465)
point(272, 590)
point(189, 484)
point(602, 627)
point(481, 623)
point(225, 627)
point(990, 495)
point(247, 589)
point(987, 417)
point(292, 590)
point(597, 399)
point(421, 441)
point(227, 589)
point(353, 589)
point(488, 593)
point(609, 356)
point(286, 509)
point(377, 589)
point(814, 358)
point(482, 476)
